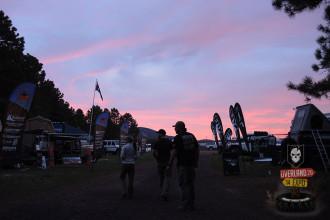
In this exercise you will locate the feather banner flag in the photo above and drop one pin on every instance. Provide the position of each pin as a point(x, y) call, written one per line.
point(15, 119)
point(214, 131)
point(219, 128)
point(144, 135)
point(100, 126)
point(123, 134)
point(241, 124)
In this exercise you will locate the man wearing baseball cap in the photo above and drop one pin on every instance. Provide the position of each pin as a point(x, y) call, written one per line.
point(162, 151)
point(187, 153)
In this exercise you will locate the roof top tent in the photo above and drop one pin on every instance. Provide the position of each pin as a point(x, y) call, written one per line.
point(39, 122)
point(36, 134)
point(311, 128)
point(309, 117)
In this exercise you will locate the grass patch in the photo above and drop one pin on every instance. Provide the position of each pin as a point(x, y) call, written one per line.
point(17, 184)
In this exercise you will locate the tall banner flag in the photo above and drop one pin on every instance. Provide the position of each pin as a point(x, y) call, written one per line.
point(100, 126)
point(19, 105)
point(228, 134)
point(219, 128)
point(144, 136)
point(123, 134)
point(97, 88)
point(214, 131)
point(232, 115)
point(241, 123)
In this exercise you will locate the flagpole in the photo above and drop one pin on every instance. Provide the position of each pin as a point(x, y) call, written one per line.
point(90, 125)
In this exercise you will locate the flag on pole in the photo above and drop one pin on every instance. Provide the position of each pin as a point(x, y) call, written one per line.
point(97, 88)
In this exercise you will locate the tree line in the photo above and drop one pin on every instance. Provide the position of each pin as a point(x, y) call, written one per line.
point(17, 67)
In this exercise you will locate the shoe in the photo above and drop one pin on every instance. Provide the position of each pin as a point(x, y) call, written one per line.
point(164, 198)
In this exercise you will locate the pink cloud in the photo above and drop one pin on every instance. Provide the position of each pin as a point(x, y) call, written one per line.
point(106, 45)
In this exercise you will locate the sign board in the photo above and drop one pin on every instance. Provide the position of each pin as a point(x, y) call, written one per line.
point(295, 182)
point(297, 173)
point(295, 155)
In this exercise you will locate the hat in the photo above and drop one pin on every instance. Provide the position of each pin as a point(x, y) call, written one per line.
point(179, 124)
point(161, 131)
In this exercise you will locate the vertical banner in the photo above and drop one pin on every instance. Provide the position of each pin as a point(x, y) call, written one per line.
point(100, 126)
point(228, 134)
point(241, 124)
point(123, 134)
point(234, 122)
point(19, 105)
point(219, 128)
point(144, 136)
point(214, 131)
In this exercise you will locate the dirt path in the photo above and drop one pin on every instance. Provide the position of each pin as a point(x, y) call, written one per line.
point(217, 197)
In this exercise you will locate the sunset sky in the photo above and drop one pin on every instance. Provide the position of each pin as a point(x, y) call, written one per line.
point(164, 61)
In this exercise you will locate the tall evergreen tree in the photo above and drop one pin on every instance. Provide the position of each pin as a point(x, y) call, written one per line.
point(308, 87)
point(17, 67)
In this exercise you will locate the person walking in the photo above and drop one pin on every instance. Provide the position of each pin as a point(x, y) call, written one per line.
point(162, 151)
point(128, 155)
point(187, 153)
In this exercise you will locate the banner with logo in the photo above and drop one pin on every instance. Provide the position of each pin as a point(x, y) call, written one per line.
point(100, 126)
point(295, 155)
point(219, 128)
point(241, 124)
point(14, 123)
point(123, 134)
point(214, 131)
point(144, 136)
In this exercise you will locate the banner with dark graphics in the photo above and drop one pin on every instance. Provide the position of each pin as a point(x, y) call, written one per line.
point(19, 105)
point(234, 122)
point(100, 126)
point(219, 127)
point(241, 124)
point(144, 136)
point(214, 131)
point(228, 134)
point(123, 134)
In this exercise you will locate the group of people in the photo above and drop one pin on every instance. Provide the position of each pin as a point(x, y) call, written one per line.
point(184, 149)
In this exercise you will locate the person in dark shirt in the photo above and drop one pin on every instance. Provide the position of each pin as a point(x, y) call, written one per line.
point(162, 151)
point(187, 153)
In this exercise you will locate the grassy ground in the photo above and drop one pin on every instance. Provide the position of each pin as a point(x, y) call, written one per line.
point(20, 183)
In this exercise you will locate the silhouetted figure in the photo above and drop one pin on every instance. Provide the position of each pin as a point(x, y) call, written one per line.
point(162, 152)
point(128, 155)
point(187, 153)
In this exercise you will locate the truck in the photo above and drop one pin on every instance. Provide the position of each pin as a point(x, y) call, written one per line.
point(111, 146)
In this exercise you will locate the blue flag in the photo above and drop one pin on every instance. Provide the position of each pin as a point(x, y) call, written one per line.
point(125, 127)
point(102, 119)
point(23, 95)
